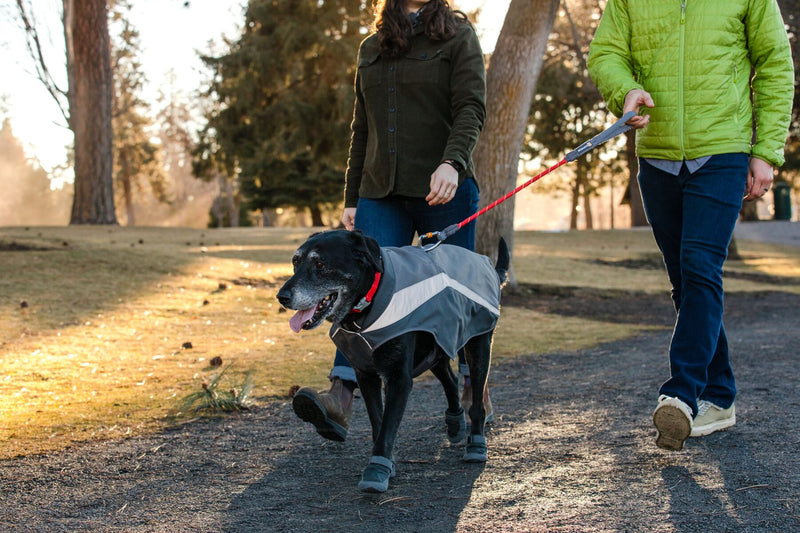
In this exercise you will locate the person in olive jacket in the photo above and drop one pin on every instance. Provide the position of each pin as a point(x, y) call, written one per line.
point(708, 136)
point(420, 104)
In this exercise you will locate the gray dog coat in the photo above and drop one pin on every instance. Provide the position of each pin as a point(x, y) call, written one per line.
point(449, 292)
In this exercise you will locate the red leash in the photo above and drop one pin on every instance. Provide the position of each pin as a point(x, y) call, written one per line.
point(431, 240)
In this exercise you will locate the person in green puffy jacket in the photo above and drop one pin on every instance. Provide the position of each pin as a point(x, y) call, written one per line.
point(712, 82)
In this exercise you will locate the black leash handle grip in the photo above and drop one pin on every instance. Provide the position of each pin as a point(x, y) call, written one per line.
point(615, 129)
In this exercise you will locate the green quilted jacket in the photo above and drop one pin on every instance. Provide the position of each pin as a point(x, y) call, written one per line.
point(694, 57)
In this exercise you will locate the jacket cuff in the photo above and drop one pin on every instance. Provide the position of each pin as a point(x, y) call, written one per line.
point(773, 157)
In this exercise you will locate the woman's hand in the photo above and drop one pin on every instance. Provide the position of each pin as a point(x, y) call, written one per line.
point(444, 182)
point(349, 218)
point(759, 179)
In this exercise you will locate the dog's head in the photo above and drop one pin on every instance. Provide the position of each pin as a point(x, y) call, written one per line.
point(332, 272)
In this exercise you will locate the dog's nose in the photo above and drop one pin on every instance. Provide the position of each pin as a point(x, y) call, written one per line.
point(285, 297)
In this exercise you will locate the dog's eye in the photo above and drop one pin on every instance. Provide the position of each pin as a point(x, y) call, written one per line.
point(319, 265)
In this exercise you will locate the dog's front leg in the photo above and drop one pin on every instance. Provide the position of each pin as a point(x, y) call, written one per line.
point(370, 386)
point(398, 389)
point(394, 361)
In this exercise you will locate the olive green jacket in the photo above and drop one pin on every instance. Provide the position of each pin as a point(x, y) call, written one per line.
point(414, 112)
point(694, 58)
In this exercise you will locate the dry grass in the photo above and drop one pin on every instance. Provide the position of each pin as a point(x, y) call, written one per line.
point(97, 349)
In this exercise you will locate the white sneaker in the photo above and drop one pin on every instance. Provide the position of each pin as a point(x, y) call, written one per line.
point(673, 419)
point(711, 418)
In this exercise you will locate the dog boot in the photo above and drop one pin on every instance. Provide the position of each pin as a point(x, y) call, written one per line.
point(329, 411)
point(466, 401)
point(456, 426)
point(376, 476)
point(476, 449)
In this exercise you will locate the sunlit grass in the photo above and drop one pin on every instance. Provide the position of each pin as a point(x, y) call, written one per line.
point(95, 322)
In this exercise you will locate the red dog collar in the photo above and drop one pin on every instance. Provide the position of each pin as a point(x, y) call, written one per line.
point(366, 300)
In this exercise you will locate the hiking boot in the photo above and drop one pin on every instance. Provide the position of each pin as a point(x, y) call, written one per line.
point(673, 419)
point(466, 401)
point(329, 411)
point(711, 418)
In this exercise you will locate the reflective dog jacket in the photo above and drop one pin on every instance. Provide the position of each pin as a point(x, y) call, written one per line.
point(449, 292)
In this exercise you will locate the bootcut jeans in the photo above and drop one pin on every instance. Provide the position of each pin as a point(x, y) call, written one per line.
point(394, 221)
point(693, 216)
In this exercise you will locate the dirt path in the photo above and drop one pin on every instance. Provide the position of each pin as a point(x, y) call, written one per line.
point(572, 451)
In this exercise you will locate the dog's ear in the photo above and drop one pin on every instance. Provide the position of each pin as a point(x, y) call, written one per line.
point(369, 248)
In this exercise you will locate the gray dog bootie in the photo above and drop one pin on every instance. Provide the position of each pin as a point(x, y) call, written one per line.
point(376, 476)
point(476, 449)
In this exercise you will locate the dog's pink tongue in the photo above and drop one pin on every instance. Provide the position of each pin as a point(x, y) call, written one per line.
point(300, 318)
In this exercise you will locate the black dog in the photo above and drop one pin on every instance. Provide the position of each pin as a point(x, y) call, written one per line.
point(397, 312)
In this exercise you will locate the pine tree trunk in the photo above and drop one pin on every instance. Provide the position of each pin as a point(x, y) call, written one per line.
point(588, 215)
point(127, 189)
point(230, 204)
point(89, 96)
point(638, 217)
point(316, 217)
point(511, 83)
point(749, 211)
point(573, 213)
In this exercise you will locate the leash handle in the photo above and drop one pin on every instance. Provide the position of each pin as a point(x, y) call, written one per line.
point(615, 129)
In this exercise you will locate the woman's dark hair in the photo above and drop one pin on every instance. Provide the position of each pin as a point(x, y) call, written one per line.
point(393, 25)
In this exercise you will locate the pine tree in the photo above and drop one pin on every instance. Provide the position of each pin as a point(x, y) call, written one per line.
point(137, 160)
point(286, 93)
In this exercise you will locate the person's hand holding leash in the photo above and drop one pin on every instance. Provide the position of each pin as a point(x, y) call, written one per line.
point(633, 101)
point(349, 218)
point(759, 179)
point(444, 182)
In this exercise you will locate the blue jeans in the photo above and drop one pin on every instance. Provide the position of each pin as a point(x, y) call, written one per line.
point(394, 220)
point(693, 217)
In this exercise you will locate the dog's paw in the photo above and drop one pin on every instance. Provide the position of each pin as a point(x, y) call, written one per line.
point(476, 451)
point(376, 475)
point(456, 426)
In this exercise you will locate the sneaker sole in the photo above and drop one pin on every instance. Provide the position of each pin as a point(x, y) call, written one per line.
point(708, 429)
point(308, 409)
point(673, 428)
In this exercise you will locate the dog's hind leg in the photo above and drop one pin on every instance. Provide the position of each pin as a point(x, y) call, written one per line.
point(479, 354)
point(454, 415)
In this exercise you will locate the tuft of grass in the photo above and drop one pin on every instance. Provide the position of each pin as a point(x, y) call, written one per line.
point(104, 331)
point(214, 398)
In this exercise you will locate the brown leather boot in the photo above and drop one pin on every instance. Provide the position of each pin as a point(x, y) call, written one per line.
point(466, 401)
point(329, 411)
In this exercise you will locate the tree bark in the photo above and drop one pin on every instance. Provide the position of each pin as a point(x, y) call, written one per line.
point(89, 96)
point(316, 217)
point(510, 85)
point(638, 217)
point(127, 190)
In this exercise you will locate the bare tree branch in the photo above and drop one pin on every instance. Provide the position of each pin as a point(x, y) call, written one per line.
point(33, 44)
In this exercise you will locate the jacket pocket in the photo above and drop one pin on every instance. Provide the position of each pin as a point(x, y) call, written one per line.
point(424, 67)
point(369, 72)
